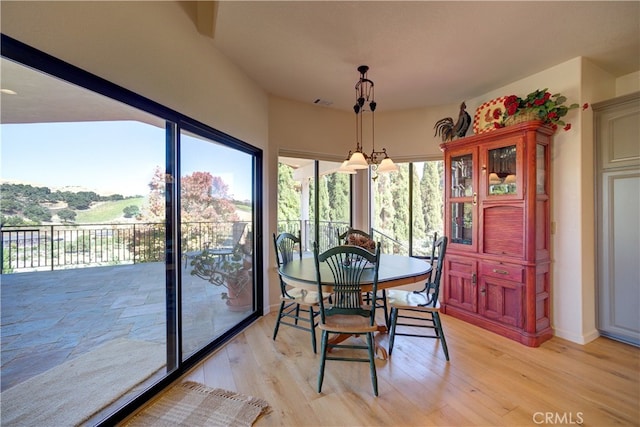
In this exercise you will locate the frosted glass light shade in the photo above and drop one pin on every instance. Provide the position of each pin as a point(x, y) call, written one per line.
point(357, 161)
point(345, 168)
point(387, 165)
point(494, 179)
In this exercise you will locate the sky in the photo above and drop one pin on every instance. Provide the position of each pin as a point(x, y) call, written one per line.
point(109, 157)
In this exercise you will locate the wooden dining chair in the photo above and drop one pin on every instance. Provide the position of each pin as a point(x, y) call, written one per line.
point(361, 238)
point(347, 314)
point(420, 309)
point(431, 257)
point(299, 308)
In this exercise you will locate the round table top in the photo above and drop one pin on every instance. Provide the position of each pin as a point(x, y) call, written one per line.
point(394, 270)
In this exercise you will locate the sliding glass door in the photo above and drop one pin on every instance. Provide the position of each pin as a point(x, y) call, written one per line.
point(127, 242)
point(216, 212)
point(83, 249)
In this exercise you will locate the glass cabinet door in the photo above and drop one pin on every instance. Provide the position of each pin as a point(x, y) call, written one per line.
point(502, 168)
point(502, 171)
point(463, 199)
point(462, 176)
point(462, 223)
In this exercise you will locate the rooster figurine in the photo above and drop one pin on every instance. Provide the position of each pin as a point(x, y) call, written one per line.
point(447, 129)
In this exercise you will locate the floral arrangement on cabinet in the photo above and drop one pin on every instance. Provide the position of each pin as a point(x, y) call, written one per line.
point(538, 105)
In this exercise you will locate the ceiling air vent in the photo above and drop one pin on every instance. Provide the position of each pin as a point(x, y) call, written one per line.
point(324, 102)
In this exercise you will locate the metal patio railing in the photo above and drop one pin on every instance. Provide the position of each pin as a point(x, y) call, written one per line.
point(51, 247)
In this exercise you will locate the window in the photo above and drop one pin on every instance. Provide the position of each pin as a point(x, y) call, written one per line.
point(407, 207)
point(297, 200)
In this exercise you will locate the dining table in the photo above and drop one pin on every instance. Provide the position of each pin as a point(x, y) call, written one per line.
point(393, 271)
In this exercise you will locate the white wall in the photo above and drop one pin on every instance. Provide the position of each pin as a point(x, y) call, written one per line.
point(628, 84)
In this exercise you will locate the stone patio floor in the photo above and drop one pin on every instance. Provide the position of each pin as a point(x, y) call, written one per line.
point(47, 318)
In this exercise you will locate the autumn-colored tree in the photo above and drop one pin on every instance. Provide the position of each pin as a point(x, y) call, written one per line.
point(204, 197)
point(155, 209)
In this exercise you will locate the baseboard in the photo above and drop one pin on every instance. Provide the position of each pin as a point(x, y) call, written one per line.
point(577, 338)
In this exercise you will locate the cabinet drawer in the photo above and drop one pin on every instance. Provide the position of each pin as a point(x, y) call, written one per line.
point(503, 271)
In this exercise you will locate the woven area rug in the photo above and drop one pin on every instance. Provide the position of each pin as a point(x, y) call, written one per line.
point(192, 404)
point(72, 392)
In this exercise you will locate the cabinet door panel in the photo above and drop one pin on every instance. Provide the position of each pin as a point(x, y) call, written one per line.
point(460, 286)
point(503, 230)
point(501, 301)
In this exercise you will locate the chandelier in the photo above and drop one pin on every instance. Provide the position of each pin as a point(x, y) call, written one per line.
point(379, 161)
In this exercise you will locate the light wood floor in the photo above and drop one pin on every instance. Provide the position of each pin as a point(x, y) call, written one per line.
point(489, 381)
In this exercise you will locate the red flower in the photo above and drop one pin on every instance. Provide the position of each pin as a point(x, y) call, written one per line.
point(542, 104)
point(497, 113)
point(497, 125)
point(510, 100)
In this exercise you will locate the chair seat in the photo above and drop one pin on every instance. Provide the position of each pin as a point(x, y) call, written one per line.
point(348, 324)
point(409, 299)
point(302, 296)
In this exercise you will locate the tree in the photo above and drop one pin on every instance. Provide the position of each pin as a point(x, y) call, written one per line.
point(10, 204)
point(419, 240)
point(323, 197)
point(66, 215)
point(384, 207)
point(37, 213)
point(338, 187)
point(400, 199)
point(81, 200)
point(131, 211)
point(203, 198)
point(7, 221)
point(432, 196)
point(155, 209)
point(288, 194)
point(206, 198)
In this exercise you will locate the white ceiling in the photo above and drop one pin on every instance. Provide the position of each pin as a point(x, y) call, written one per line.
point(420, 53)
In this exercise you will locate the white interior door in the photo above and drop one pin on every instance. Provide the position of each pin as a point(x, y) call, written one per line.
point(618, 227)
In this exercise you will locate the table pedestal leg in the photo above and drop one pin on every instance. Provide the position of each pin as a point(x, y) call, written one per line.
point(381, 341)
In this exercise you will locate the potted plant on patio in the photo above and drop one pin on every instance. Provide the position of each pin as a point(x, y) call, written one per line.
point(235, 274)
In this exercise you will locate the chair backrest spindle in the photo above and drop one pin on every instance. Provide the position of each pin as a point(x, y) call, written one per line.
point(440, 247)
point(287, 246)
point(348, 265)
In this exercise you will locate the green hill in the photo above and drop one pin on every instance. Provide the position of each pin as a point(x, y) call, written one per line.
point(105, 212)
